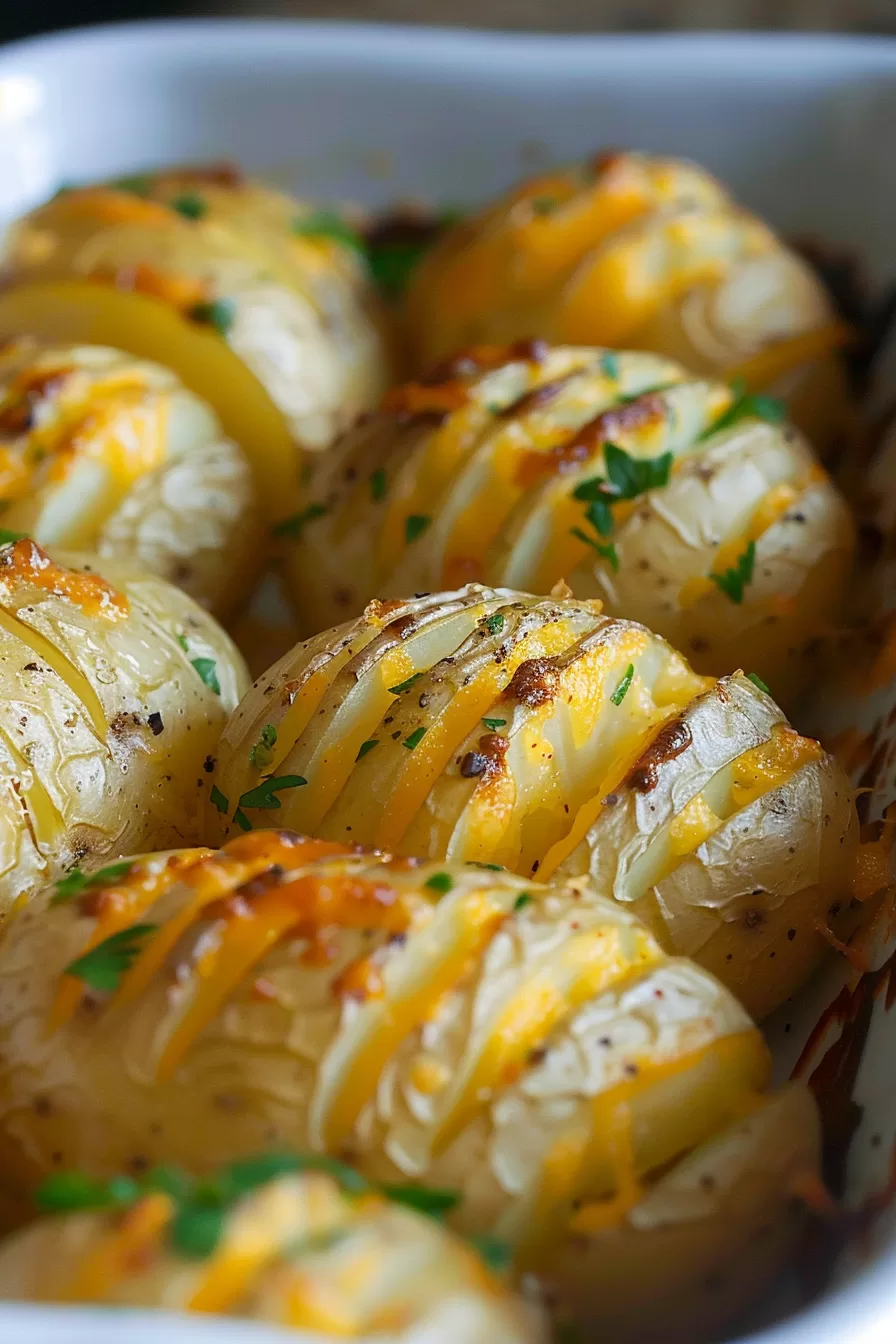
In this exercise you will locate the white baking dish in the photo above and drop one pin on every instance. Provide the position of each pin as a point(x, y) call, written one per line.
point(801, 127)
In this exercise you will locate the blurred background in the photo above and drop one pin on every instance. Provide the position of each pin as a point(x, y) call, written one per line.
point(864, 16)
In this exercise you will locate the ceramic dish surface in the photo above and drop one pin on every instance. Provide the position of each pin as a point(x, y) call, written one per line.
point(801, 130)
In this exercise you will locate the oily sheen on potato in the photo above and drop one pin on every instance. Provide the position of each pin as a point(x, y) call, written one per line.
point(673, 499)
point(269, 1239)
point(531, 1050)
point(105, 453)
point(643, 252)
point(539, 734)
point(114, 688)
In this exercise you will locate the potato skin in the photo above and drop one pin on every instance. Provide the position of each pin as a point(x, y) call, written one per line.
point(109, 454)
point(646, 253)
point(490, 470)
point(531, 1049)
point(226, 252)
point(538, 734)
point(105, 724)
point(364, 1260)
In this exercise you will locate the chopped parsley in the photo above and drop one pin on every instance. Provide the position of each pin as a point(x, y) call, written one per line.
point(622, 689)
point(544, 205)
point(242, 820)
point(218, 313)
point(606, 549)
point(7, 537)
point(406, 685)
point(633, 476)
point(492, 867)
point(365, 747)
point(67, 888)
point(757, 681)
point(435, 1203)
point(415, 738)
point(494, 624)
point(496, 1253)
point(522, 900)
point(747, 405)
point(330, 225)
point(207, 671)
point(609, 364)
point(138, 184)
point(263, 752)
point(494, 724)
point(220, 802)
point(377, 484)
point(190, 205)
point(265, 794)
point(292, 527)
point(733, 581)
point(415, 525)
point(440, 882)
point(103, 966)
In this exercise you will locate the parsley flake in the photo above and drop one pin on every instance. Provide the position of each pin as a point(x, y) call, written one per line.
point(492, 867)
point(265, 794)
point(220, 802)
point(415, 525)
point(197, 1229)
point(138, 184)
point(433, 1202)
point(622, 689)
point(415, 738)
point(242, 820)
point(218, 313)
point(377, 484)
point(496, 1253)
point(609, 364)
point(68, 1191)
point(440, 882)
point(75, 882)
point(494, 724)
point(292, 527)
point(733, 581)
point(190, 205)
point(207, 671)
point(103, 966)
point(544, 205)
point(330, 225)
point(406, 685)
point(747, 405)
point(757, 681)
point(365, 747)
point(522, 901)
point(7, 537)
point(263, 752)
point(605, 549)
point(494, 624)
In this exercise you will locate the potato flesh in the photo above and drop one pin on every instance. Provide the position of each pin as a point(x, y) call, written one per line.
point(489, 493)
point(467, 767)
point(84, 774)
point(297, 1252)
point(641, 252)
point(113, 455)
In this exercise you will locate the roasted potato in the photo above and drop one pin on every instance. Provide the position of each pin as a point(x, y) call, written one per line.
point(648, 253)
point(671, 500)
point(297, 1242)
point(276, 280)
point(529, 1050)
point(538, 734)
point(109, 454)
point(114, 688)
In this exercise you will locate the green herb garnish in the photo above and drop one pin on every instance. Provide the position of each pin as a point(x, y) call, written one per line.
point(733, 581)
point(75, 882)
point(544, 205)
point(415, 738)
point(103, 966)
point(494, 624)
point(265, 793)
point(68, 1191)
point(220, 802)
point(757, 681)
point(605, 549)
point(406, 685)
point(292, 527)
point(365, 747)
point(415, 525)
point(263, 752)
point(207, 671)
point(433, 1202)
point(496, 1253)
point(609, 364)
point(7, 537)
point(218, 313)
point(440, 882)
point(494, 724)
point(138, 184)
point(492, 867)
point(328, 224)
point(242, 820)
point(522, 901)
point(190, 205)
point(377, 484)
point(622, 689)
point(746, 405)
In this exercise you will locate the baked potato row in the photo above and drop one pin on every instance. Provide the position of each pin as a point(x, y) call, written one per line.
point(642, 252)
point(531, 1050)
point(491, 726)
point(277, 1239)
point(268, 274)
point(105, 453)
point(673, 500)
point(114, 689)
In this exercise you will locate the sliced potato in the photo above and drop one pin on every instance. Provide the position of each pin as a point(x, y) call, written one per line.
point(661, 494)
point(491, 726)
point(530, 1050)
point(109, 454)
point(115, 687)
point(644, 252)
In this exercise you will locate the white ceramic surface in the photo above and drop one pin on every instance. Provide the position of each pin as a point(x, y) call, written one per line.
point(800, 126)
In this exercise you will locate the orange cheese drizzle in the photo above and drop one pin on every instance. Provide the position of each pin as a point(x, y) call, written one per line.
point(27, 562)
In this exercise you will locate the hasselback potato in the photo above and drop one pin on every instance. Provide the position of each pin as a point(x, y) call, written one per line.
point(644, 252)
point(114, 687)
point(539, 734)
point(530, 1050)
point(295, 1242)
point(276, 280)
point(669, 497)
point(105, 453)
